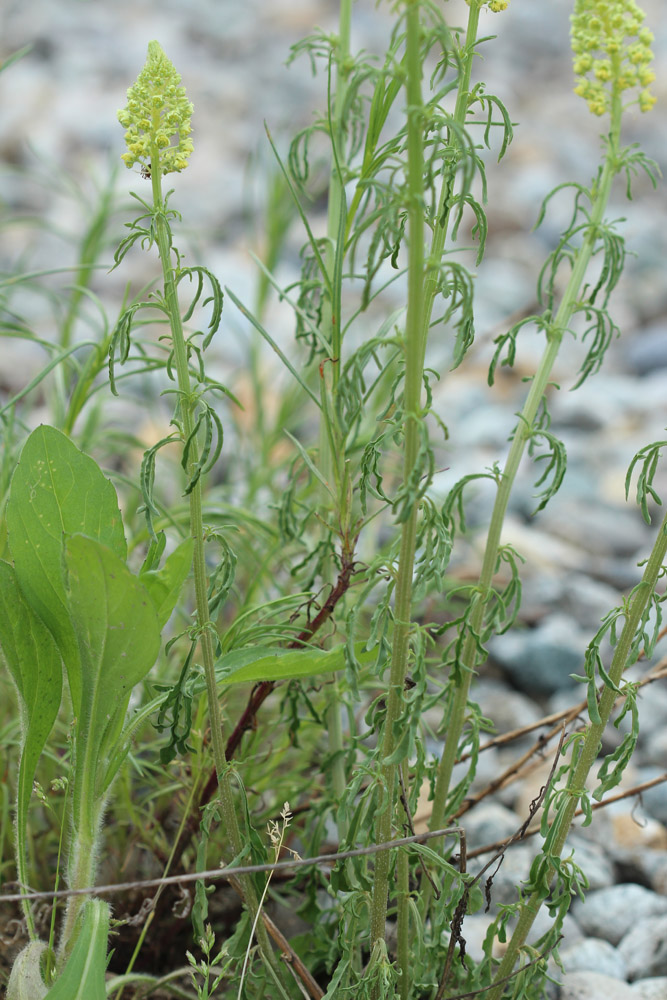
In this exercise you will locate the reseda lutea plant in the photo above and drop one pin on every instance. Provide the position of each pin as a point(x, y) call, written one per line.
point(158, 112)
point(388, 193)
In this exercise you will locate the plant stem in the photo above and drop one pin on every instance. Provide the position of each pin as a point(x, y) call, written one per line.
point(81, 870)
point(470, 656)
point(186, 409)
point(590, 748)
point(332, 448)
point(411, 402)
point(403, 921)
point(441, 221)
point(422, 291)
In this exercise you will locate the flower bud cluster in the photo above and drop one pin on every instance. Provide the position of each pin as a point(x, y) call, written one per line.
point(157, 117)
point(612, 52)
point(494, 5)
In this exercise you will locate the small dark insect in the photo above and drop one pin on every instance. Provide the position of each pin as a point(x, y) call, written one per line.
point(145, 172)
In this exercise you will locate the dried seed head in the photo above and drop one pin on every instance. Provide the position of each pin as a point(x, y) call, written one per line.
point(611, 52)
point(157, 117)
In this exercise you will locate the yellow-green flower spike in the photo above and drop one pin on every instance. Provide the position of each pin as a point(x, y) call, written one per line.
point(611, 52)
point(157, 117)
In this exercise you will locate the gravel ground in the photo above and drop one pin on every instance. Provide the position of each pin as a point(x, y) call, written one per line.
point(57, 113)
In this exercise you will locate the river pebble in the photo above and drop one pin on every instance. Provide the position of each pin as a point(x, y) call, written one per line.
point(654, 988)
point(644, 948)
point(541, 660)
point(594, 955)
point(610, 913)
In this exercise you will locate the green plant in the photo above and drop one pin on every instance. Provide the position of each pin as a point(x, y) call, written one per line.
point(315, 568)
point(68, 598)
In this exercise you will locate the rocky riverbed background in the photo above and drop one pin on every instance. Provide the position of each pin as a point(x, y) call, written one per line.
point(58, 123)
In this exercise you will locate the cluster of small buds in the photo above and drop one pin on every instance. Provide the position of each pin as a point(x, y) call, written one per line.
point(494, 5)
point(156, 114)
point(612, 52)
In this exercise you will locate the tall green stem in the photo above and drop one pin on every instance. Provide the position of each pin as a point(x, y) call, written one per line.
point(412, 401)
point(331, 451)
point(441, 222)
point(186, 410)
point(422, 292)
point(589, 750)
point(470, 656)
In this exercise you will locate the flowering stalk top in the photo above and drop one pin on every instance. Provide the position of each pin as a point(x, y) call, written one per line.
point(494, 5)
point(611, 52)
point(157, 117)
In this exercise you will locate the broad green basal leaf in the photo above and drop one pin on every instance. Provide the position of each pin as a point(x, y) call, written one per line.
point(28, 651)
point(164, 585)
point(55, 491)
point(83, 977)
point(119, 640)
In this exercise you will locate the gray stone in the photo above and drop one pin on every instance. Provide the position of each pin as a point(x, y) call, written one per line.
point(652, 706)
point(601, 529)
point(541, 660)
point(654, 988)
point(543, 592)
point(656, 869)
point(475, 927)
point(653, 750)
point(489, 822)
point(594, 986)
point(571, 931)
point(612, 912)
point(514, 869)
point(654, 799)
point(588, 600)
point(648, 351)
point(644, 948)
point(507, 709)
point(594, 862)
point(594, 955)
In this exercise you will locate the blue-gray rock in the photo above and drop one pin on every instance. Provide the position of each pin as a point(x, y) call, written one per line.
point(594, 986)
point(475, 927)
point(654, 988)
point(508, 709)
point(644, 948)
point(588, 600)
point(514, 869)
point(654, 799)
point(543, 921)
point(593, 860)
point(652, 706)
point(594, 955)
point(601, 529)
point(597, 406)
point(647, 351)
point(541, 660)
point(654, 750)
point(655, 867)
point(612, 912)
point(489, 822)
